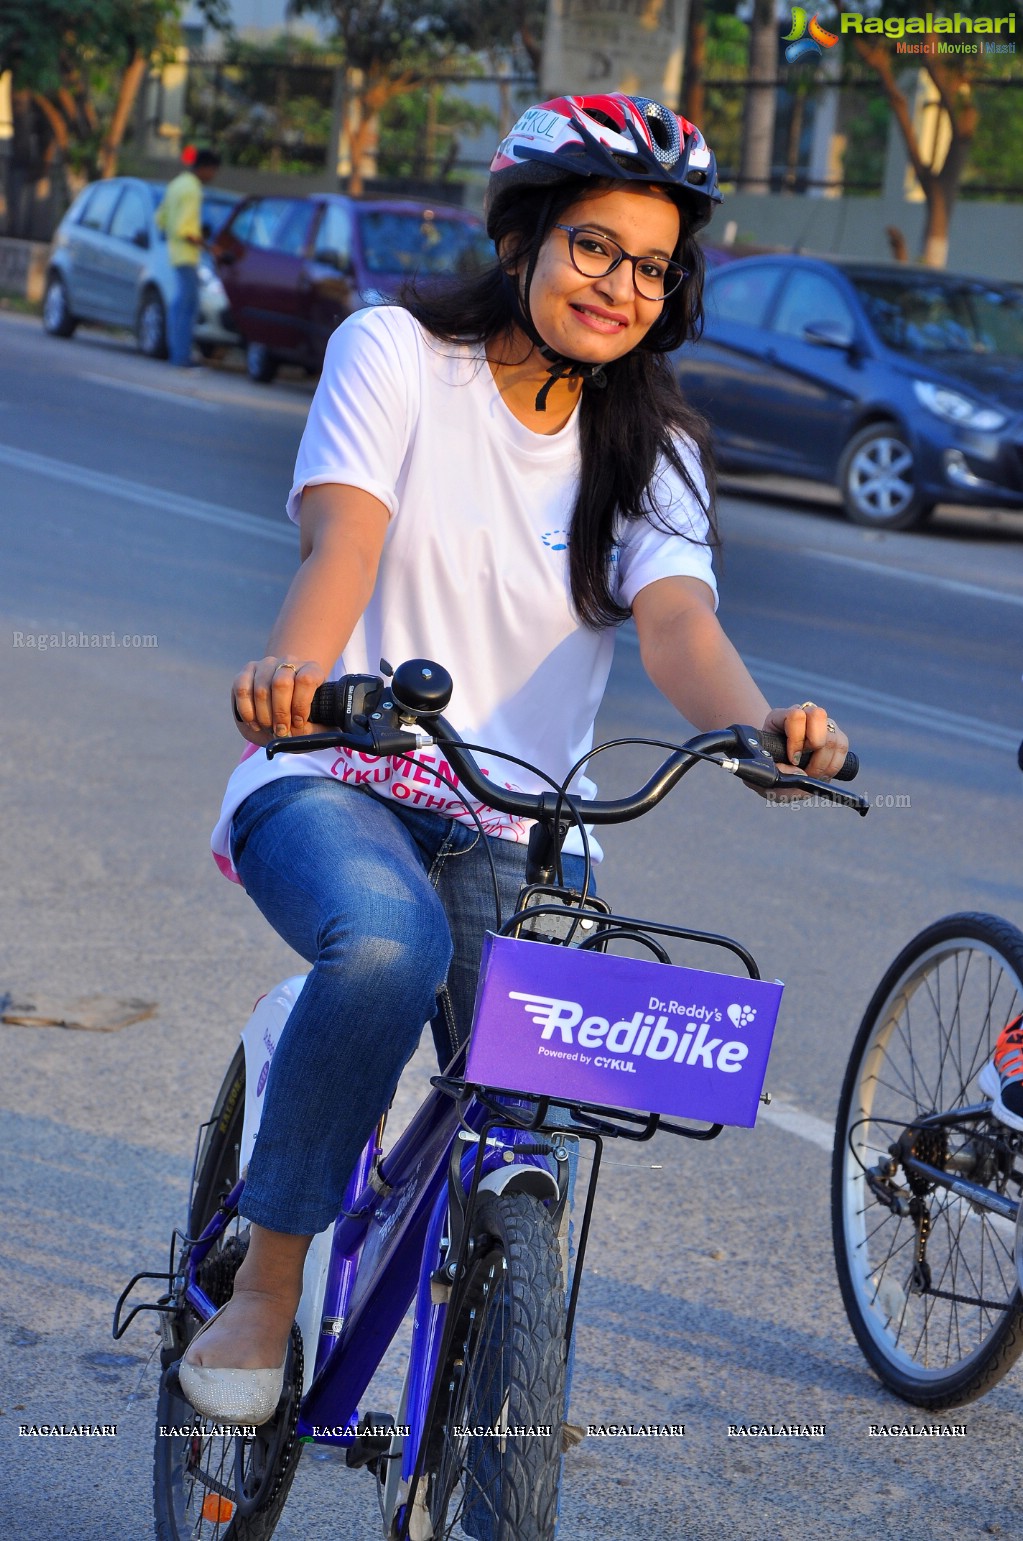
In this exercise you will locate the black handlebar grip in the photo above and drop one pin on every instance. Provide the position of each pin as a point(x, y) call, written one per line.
point(774, 743)
point(328, 704)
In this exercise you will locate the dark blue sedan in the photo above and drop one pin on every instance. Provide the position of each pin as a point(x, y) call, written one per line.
point(901, 385)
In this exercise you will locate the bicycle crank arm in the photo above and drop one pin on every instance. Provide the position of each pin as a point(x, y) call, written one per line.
point(974, 1193)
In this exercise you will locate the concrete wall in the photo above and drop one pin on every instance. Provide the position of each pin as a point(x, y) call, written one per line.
point(23, 268)
point(986, 238)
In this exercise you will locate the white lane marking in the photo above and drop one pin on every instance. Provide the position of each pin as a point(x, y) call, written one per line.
point(168, 503)
point(221, 396)
point(151, 390)
point(805, 1126)
point(931, 580)
point(978, 732)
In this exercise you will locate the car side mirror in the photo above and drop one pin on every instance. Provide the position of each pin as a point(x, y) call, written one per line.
point(141, 238)
point(829, 334)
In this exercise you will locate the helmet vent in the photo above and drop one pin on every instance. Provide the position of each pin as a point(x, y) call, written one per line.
point(664, 130)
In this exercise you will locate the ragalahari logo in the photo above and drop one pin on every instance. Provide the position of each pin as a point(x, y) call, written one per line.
point(801, 46)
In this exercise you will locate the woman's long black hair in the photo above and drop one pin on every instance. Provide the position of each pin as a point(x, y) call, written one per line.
point(625, 428)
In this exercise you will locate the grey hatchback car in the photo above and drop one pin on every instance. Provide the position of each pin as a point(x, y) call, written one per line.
point(109, 263)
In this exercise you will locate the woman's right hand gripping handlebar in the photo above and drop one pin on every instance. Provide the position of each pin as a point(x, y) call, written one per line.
point(272, 698)
point(343, 531)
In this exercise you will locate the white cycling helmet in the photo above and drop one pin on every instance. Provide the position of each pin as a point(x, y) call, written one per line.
point(626, 138)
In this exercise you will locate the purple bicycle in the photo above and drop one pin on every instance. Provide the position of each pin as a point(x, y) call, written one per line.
point(465, 1218)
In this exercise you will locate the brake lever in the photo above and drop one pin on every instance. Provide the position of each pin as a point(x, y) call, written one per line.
point(384, 739)
point(823, 789)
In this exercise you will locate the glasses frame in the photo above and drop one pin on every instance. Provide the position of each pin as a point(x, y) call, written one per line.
point(624, 256)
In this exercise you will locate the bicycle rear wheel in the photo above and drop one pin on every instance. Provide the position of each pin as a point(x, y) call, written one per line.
point(927, 1277)
point(493, 1447)
point(210, 1486)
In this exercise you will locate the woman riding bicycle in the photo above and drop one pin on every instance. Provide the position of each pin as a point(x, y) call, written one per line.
point(494, 474)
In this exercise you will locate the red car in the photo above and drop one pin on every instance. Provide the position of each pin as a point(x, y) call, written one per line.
point(294, 268)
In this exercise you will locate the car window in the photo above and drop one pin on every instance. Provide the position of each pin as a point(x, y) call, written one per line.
point(241, 225)
point(397, 242)
point(104, 196)
point(334, 237)
point(922, 315)
point(81, 203)
point(267, 217)
point(131, 218)
point(811, 298)
point(742, 292)
point(216, 209)
point(292, 231)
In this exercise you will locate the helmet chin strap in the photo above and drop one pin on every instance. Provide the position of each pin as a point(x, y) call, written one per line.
point(558, 366)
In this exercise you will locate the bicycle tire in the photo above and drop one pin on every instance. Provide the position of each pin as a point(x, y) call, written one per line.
point(221, 1487)
point(942, 1338)
point(505, 1370)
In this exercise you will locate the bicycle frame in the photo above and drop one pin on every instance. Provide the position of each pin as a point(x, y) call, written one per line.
point(386, 1247)
point(407, 1213)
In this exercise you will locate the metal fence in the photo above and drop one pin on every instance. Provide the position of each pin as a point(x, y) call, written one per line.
point(831, 135)
point(836, 136)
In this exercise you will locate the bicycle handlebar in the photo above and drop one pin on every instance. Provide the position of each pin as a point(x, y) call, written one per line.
point(371, 715)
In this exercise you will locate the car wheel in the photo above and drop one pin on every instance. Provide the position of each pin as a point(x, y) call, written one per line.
point(57, 317)
point(151, 326)
point(260, 363)
point(877, 478)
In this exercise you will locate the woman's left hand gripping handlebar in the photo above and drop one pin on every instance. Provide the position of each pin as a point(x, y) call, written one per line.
point(808, 727)
point(271, 698)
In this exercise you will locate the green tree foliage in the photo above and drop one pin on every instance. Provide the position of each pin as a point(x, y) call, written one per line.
point(267, 104)
point(419, 133)
point(392, 48)
point(995, 162)
point(955, 78)
point(76, 68)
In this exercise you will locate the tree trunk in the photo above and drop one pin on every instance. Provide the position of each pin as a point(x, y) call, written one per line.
point(694, 95)
point(758, 119)
point(131, 80)
point(935, 243)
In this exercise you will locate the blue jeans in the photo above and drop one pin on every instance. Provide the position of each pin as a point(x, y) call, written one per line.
point(390, 905)
point(181, 318)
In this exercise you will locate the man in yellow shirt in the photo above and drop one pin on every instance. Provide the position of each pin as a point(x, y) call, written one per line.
point(180, 216)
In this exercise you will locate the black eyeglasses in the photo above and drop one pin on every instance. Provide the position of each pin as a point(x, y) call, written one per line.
point(595, 256)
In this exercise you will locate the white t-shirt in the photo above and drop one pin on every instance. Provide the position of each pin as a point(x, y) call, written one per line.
point(474, 571)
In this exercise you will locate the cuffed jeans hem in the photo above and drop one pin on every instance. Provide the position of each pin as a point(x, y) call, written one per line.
point(295, 1220)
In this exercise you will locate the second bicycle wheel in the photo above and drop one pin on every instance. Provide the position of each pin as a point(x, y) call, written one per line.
point(494, 1445)
point(928, 1275)
point(221, 1484)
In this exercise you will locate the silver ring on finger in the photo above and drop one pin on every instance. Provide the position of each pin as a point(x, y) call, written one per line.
point(292, 666)
point(808, 706)
point(832, 727)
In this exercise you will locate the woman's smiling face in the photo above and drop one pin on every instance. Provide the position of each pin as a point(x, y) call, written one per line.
point(597, 320)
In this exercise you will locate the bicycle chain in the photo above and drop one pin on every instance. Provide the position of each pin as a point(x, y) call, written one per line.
point(222, 1489)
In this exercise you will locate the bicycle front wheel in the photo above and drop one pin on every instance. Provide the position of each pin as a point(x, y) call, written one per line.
point(493, 1446)
point(210, 1485)
point(928, 1276)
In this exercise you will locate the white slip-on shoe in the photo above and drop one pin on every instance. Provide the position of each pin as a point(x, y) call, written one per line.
point(230, 1396)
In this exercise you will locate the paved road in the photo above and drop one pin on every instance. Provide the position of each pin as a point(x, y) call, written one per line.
point(146, 505)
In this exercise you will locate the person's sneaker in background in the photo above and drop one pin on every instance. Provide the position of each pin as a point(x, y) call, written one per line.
point(1002, 1077)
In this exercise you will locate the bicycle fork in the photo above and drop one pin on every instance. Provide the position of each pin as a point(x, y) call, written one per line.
point(500, 1160)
